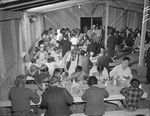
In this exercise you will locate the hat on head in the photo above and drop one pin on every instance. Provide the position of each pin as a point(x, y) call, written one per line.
point(42, 45)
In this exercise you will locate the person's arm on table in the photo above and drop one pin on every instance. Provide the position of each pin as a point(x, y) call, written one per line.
point(34, 97)
point(114, 71)
point(68, 97)
point(84, 96)
point(106, 95)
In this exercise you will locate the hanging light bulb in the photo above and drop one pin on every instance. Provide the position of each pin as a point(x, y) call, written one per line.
point(79, 5)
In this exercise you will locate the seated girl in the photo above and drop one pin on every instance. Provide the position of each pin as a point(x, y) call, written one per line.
point(100, 73)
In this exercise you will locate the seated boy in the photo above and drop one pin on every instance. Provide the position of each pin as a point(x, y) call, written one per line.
point(132, 95)
point(78, 75)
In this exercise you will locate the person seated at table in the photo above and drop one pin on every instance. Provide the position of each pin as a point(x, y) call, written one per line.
point(122, 70)
point(20, 97)
point(41, 55)
point(57, 54)
point(56, 100)
point(132, 95)
point(57, 73)
point(94, 97)
point(100, 73)
point(41, 74)
point(32, 70)
point(78, 75)
point(51, 64)
point(32, 62)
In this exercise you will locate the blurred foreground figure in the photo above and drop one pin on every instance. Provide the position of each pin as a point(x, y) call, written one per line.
point(94, 97)
point(56, 100)
point(20, 97)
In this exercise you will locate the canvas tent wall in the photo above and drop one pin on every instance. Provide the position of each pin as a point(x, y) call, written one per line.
point(70, 17)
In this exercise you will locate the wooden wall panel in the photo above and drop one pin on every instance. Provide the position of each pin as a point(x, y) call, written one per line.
point(70, 17)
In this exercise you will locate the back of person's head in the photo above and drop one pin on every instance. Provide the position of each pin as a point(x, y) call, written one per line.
point(92, 80)
point(43, 68)
point(33, 60)
point(82, 52)
point(78, 68)
point(126, 58)
point(135, 83)
point(20, 80)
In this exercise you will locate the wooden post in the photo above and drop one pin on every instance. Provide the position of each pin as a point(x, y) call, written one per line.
point(2, 62)
point(144, 23)
point(106, 23)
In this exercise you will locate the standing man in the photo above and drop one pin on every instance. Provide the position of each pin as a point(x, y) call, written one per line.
point(20, 97)
point(111, 42)
point(104, 60)
point(56, 100)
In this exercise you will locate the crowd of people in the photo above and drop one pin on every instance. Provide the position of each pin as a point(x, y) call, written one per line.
point(65, 56)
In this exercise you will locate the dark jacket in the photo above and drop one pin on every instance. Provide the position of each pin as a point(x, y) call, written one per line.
point(56, 101)
point(91, 47)
point(66, 46)
point(104, 61)
point(111, 42)
point(86, 63)
point(20, 98)
point(94, 97)
point(39, 76)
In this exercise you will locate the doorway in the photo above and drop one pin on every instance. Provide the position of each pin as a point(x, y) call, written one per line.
point(85, 23)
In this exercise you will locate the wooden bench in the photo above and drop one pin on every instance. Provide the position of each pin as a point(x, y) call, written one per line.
point(142, 112)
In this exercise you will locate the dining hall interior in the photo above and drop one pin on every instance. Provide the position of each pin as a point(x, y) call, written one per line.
point(74, 57)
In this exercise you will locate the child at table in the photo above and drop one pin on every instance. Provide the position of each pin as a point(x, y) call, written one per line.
point(41, 55)
point(132, 95)
point(94, 97)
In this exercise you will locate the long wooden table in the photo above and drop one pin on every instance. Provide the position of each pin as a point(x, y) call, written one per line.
point(114, 94)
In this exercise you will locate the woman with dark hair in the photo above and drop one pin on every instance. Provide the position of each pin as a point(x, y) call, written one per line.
point(94, 97)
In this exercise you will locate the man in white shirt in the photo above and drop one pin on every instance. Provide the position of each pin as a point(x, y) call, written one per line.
point(74, 40)
point(121, 71)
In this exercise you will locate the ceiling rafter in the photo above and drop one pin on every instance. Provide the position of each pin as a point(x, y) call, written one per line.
point(25, 7)
point(18, 4)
